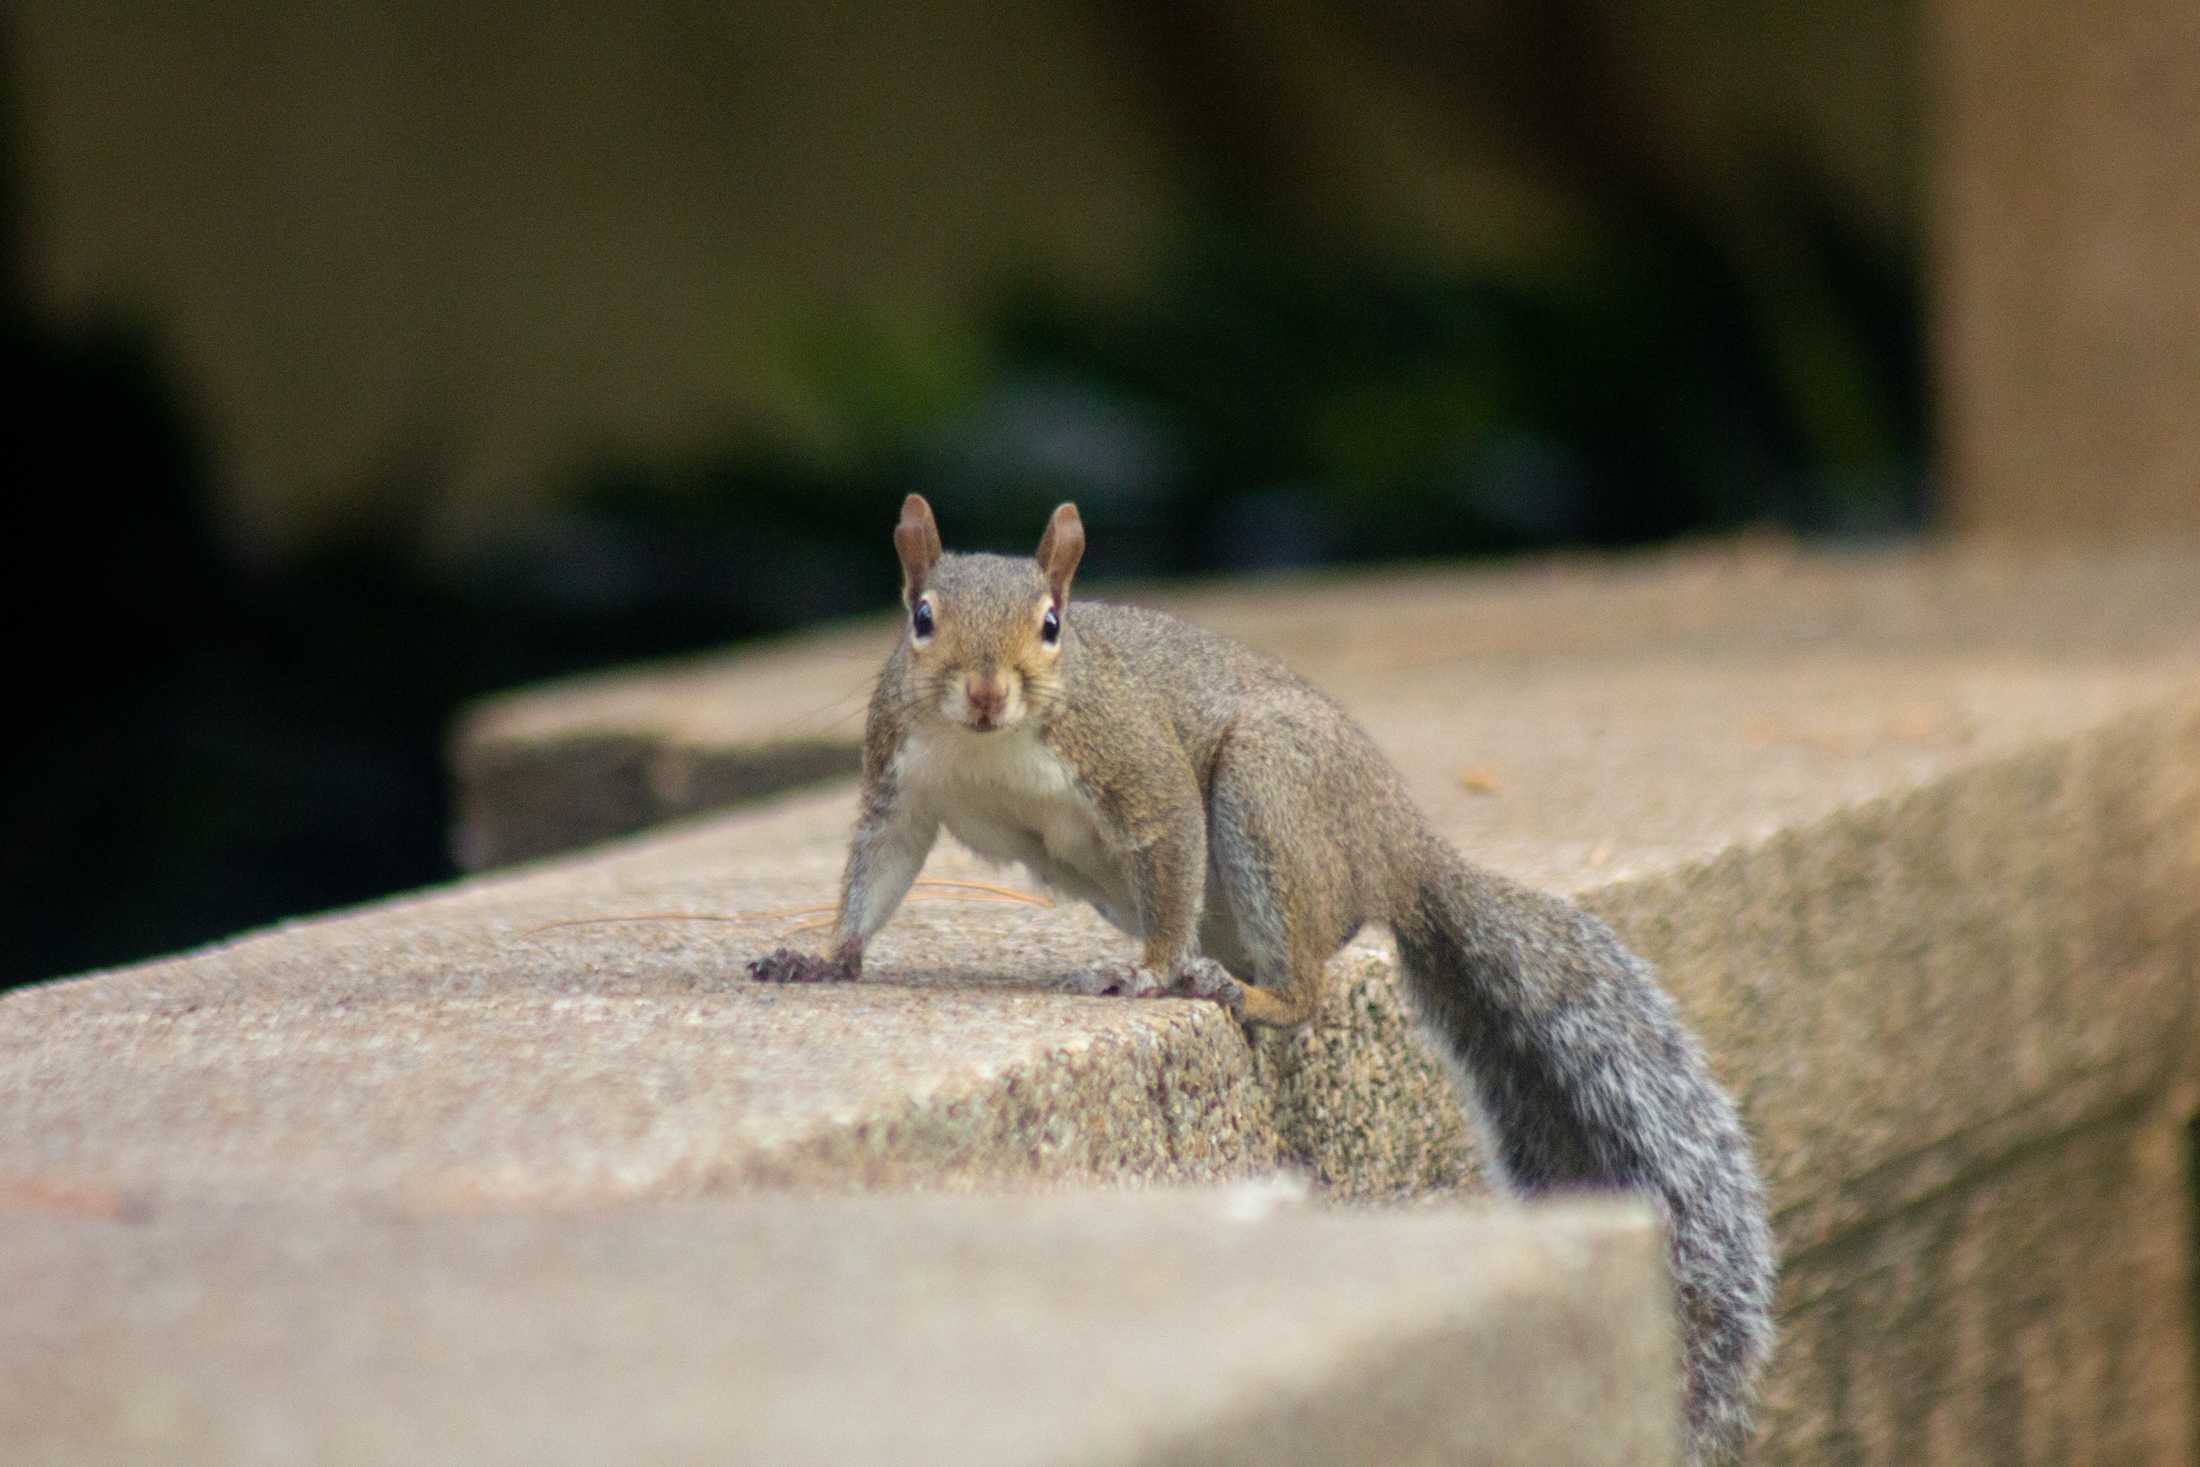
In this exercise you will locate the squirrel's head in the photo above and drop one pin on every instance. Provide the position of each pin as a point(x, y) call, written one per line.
point(985, 631)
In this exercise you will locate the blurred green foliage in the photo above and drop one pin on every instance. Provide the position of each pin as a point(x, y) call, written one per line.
point(1259, 405)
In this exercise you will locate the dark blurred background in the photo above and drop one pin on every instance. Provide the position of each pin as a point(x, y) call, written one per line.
point(371, 358)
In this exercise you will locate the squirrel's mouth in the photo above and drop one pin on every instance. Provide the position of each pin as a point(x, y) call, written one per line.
point(984, 705)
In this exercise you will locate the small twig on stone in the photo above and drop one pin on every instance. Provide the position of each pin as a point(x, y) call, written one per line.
point(736, 917)
point(1007, 891)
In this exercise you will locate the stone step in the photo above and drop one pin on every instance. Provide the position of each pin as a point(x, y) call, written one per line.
point(1915, 841)
point(1100, 1329)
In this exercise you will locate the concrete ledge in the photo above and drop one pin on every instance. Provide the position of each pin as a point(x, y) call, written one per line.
point(1103, 1330)
point(547, 769)
point(1915, 842)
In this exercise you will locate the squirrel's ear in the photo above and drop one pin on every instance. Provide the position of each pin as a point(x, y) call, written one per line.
point(917, 542)
point(1060, 548)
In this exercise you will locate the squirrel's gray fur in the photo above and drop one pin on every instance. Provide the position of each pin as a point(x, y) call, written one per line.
point(1243, 827)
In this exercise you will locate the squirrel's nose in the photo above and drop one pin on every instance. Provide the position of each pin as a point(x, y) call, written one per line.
point(988, 695)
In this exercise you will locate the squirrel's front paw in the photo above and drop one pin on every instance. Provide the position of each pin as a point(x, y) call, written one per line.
point(785, 965)
point(1116, 980)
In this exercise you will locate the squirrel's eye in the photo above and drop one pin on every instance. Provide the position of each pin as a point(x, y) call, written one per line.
point(1050, 630)
point(920, 620)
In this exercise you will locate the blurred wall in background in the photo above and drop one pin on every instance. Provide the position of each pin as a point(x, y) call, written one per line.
point(2066, 197)
point(464, 247)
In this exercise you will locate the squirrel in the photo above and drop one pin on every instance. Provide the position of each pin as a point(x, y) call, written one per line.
point(1243, 828)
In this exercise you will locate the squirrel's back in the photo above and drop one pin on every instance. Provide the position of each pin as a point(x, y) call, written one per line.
point(1165, 650)
point(1205, 681)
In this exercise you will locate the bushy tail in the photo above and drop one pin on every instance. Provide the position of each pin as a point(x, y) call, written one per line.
point(1585, 1077)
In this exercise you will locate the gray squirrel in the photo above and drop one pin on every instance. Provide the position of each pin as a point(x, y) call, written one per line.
point(1240, 825)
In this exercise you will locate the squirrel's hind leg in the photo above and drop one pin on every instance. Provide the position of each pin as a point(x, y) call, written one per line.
point(1267, 879)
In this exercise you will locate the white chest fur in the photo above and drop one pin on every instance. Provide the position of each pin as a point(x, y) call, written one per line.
point(1009, 797)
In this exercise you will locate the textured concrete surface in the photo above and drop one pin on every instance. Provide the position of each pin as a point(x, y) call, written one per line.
point(2036, 1312)
point(1914, 839)
point(1103, 1329)
point(1585, 689)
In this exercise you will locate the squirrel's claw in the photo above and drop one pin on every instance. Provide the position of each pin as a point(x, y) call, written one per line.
point(785, 965)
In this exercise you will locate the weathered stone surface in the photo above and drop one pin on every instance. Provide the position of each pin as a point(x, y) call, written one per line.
point(1916, 843)
point(1922, 983)
point(2034, 1312)
point(1103, 1330)
point(441, 1053)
